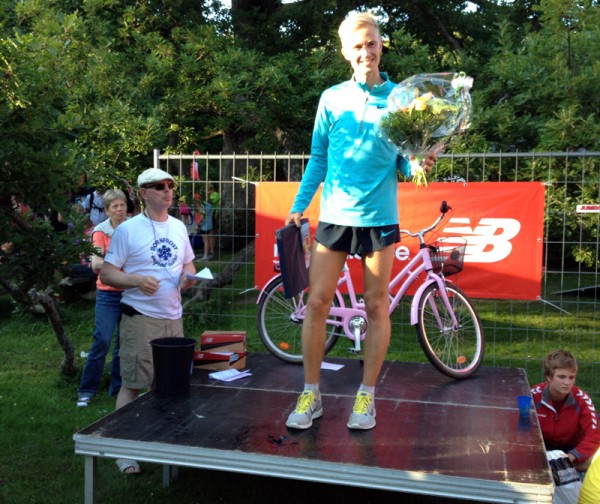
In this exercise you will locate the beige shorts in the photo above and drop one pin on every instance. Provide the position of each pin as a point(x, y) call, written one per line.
point(135, 351)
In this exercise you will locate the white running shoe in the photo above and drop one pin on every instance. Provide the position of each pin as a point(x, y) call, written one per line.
point(363, 413)
point(307, 409)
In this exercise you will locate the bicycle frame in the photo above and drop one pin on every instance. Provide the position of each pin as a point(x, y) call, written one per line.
point(353, 318)
point(407, 277)
point(448, 327)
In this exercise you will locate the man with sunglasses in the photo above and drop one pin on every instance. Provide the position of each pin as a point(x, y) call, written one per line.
point(149, 258)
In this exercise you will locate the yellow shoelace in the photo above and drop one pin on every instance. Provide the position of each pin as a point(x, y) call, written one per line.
point(305, 401)
point(362, 403)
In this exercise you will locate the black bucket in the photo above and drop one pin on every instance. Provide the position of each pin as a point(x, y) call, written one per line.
point(173, 359)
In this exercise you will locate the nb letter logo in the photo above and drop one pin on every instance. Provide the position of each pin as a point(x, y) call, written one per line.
point(487, 242)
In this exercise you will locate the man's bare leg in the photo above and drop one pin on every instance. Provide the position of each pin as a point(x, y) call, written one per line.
point(325, 268)
point(377, 268)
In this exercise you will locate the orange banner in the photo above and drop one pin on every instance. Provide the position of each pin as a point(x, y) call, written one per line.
point(501, 221)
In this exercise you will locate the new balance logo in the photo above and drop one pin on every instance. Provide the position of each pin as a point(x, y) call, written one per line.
point(487, 242)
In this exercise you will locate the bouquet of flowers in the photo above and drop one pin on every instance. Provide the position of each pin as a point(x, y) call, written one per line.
point(423, 112)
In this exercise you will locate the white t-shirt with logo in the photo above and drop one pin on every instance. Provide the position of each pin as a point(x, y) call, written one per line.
point(160, 249)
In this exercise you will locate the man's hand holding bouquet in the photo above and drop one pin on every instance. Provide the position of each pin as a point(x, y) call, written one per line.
point(424, 112)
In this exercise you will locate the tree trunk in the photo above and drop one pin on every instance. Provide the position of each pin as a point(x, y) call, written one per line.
point(51, 309)
point(226, 277)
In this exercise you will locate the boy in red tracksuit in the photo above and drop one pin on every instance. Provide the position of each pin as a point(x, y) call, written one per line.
point(566, 414)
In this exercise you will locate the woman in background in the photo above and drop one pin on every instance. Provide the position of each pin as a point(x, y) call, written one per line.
point(108, 311)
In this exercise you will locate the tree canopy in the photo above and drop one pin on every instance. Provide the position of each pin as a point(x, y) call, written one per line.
point(90, 88)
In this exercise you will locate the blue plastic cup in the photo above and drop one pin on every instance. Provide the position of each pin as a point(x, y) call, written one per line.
point(524, 405)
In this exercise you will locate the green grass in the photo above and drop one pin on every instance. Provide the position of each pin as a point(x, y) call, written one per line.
point(39, 417)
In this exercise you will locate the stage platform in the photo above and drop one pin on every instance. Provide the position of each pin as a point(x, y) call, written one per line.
point(434, 436)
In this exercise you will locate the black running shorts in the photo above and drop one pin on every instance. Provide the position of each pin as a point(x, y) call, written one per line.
point(356, 240)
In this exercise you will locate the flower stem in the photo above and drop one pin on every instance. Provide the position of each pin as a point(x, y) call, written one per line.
point(419, 176)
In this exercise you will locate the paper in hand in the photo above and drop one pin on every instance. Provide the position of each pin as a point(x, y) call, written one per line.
point(204, 274)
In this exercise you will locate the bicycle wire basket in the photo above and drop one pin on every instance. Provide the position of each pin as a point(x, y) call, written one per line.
point(448, 254)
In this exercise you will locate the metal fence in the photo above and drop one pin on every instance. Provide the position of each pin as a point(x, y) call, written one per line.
point(518, 333)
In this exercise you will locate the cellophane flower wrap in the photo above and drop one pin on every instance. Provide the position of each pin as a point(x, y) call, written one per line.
point(423, 113)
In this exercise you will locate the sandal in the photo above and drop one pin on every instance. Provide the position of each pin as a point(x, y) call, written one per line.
point(128, 466)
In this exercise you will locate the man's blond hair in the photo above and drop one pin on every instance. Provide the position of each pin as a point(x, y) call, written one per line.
point(356, 21)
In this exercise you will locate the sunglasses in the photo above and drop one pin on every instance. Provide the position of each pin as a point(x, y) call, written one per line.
point(160, 186)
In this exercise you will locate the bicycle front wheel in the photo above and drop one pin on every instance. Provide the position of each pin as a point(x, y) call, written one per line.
point(455, 351)
point(279, 320)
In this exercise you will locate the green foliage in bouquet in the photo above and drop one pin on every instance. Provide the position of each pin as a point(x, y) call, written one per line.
point(424, 112)
point(420, 124)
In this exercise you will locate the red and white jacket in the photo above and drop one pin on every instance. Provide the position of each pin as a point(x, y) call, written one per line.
point(574, 428)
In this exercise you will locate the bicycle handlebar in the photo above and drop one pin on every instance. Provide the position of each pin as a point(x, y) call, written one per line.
point(444, 208)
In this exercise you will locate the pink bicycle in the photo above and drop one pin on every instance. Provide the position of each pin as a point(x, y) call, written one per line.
point(448, 327)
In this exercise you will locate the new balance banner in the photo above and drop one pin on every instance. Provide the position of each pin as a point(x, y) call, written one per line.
point(501, 221)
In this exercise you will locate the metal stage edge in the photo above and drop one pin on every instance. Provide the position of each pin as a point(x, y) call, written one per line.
point(316, 471)
point(109, 437)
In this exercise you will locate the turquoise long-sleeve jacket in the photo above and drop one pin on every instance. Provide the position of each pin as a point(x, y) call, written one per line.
point(356, 165)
